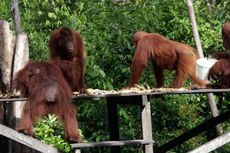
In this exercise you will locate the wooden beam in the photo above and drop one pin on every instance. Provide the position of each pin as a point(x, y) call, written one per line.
point(111, 143)
point(113, 123)
point(193, 132)
point(213, 144)
point(146, 120)
point(211, 100)
point(26, 140)
point(12, 98)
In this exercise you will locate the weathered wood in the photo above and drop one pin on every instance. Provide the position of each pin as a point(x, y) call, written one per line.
point(145, 107)
point(16, 15)
point(126, 97)
point(7, 41)
point(137, 98)
point(213, 144)
point(212, 103)
point(214, 112)
point(146, 124)
point(111, 143)
point(194, 28)
point(78, 151)
point(21, 52)
point(21, 57)
point(193, 132)
point(113, 123)
point(26, 140)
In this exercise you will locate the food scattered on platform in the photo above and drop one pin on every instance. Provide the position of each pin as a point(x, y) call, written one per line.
point(136, 89)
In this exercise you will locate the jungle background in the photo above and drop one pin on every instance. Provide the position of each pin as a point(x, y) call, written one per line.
point(107, 27)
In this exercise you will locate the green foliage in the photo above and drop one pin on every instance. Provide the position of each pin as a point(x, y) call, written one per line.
point(107, 28)
point(5, 10)
point(51, 131)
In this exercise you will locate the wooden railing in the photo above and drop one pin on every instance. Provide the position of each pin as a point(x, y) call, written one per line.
point(142, 101)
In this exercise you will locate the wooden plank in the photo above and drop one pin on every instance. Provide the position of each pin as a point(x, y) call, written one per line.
point(193, 132)
point(12, 98)
point(214, 112)
point(113, 123)
point(213, 144)
point(26, 140)
point(7, 40)
point(78, 151)
point(146, 124)
point(111, 143)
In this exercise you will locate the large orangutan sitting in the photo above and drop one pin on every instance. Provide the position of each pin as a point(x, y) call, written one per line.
point(164, 54)
point(48, 92)
point(67, 44)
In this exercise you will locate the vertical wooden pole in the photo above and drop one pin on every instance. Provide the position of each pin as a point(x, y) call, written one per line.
point(113, 123)
point(21, 56)
point(16, 16)
point(146, 123)
point(194, 28)
point(211, 100)
point(7, 42)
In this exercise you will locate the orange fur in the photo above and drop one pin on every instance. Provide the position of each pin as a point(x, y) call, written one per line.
point(226, 36)
point(67, 44)
point(164, 54)
point(47, 92)
point(220, 72)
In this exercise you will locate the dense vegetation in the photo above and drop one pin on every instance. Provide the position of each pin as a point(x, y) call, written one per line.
point(107, 29)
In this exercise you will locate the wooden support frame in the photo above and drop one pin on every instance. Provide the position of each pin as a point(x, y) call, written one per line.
point(141, 100)
point(146, 120)
point(193, 132)
point(26, 140)
point(213, 144)
point(144, 104)
point(111, 143)
point(113, 124)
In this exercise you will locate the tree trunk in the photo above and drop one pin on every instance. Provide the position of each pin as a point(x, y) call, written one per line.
point(21, 56)
point(7, 42)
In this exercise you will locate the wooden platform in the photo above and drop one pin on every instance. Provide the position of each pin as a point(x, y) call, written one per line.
point(141, 100)
point(110, 143)
point(26, 140)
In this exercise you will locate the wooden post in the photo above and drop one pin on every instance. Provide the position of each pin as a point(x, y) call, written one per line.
point(16, 16)
point(113, 123)
point(146, 123)
point(26, 140)
point(21, 56)
point(213, 144)
point(211, 100)
point(194, 28)
point(7, 42)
